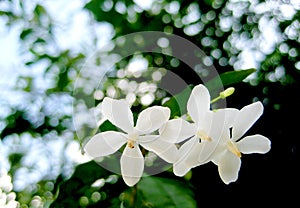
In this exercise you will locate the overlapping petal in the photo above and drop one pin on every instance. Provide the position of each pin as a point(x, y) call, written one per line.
point(198, 103)
point(105, 143)
point(165, 150)
point(151, 119)
point(181, 167)
point(229, 167)
point(215, 124)
point(118, 113)
point(203, 152)
point(230, 115)
point(177, 130)
point(254, 144)
point(246, 117)
point(132, 165)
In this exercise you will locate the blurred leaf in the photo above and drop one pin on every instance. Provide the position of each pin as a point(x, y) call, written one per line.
point(16, 123)
point(80, 185)
point(25, 33)
point(72, 189)
point(162, 193)
point(110, 16)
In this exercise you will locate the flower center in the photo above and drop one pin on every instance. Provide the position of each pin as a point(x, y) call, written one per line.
point(132, 139)
point(233, 148)
point(203, 135)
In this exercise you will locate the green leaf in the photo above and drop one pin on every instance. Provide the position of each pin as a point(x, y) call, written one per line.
point(80, 183)
point(163, 192)
point(178, 103)
point(229, 78)
point(25, 33)
point(107, 126)
point(72, 189)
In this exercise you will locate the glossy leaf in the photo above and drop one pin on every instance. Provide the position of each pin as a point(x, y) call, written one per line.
point(229, 78)
point(178, 103)
point(162, 193)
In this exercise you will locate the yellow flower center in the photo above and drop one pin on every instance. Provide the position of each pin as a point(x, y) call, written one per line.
point(233, 148)
point(131, 140)
point(203, 135)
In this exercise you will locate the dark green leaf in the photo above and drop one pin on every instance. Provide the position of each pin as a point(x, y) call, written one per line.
point(25, 33)
point(107, 126)
point(79, 185)
point(164, 193)
point(229, 78)
point(177, 103)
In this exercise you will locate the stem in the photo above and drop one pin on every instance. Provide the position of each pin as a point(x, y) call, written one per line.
point(215, 100)
point(133, 196)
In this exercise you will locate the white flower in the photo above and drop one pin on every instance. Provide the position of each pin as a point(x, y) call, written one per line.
point(208, 128)
point(230, 148)
point(132, 161)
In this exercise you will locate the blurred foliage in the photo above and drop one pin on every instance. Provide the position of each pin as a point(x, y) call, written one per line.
point(228, 31)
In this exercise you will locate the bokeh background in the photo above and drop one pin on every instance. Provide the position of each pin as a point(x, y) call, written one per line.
point(45, 44)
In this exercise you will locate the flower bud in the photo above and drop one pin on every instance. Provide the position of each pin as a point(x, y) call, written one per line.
point(229, 91)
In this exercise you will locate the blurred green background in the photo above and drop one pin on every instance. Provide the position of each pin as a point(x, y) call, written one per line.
point(45, 44)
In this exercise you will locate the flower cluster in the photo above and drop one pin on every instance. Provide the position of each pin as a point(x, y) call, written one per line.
point(7, 195)
point(203, 135)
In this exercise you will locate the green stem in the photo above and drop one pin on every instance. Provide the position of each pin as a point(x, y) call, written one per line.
point(215, 100)
point(133, 196)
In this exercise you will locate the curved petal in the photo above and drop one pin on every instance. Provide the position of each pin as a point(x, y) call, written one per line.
point(194, 157)
point(147, 138)
point(198, 103)
point(205, 151)
point(118, 113)
point(185, 149)
point(218, 154)
point(177, 130)
point(151, 119)
point(246, 117)
point(215, 124)
point(132, 165)
point(221, 148)
point(165, 150)
point(105, 143)
point(181, 168)
point(254, 144)
point(229, 167)
point(230, 115)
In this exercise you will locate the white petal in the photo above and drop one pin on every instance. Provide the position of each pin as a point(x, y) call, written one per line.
point(254, 144)
point(151, 119)
point(198, 103)
point(246, 117)
point(165, 150)
point(203, 152)
point(132, 165)
point(185, 149)
point(230, 115)
point(181, 168)
point(147, 138)
point(105, 143)
point(229, 167)
point(218, 154)
point(215, 124)
point(118, 113)
point(177, 130)
point(221, 148)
